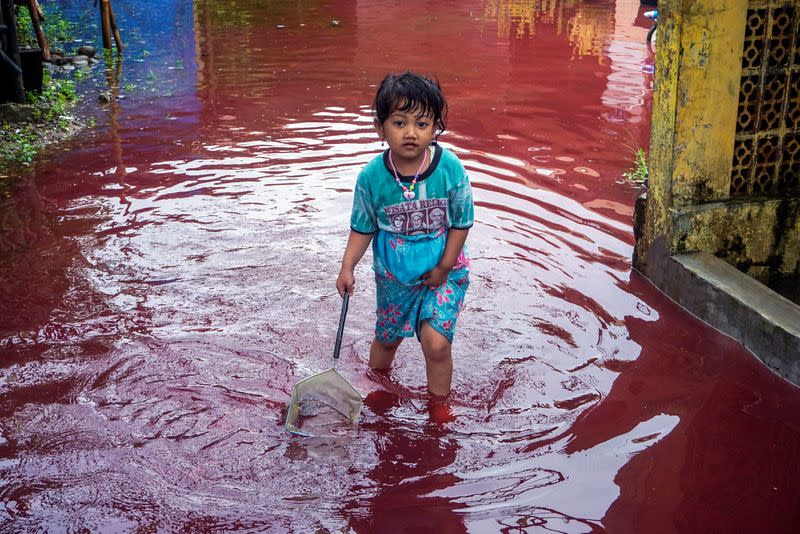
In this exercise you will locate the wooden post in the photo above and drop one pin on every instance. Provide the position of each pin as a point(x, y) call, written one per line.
point(37, 27)
point(38, 9)
point(117, 38)
point(12, 46)
point(105, 23)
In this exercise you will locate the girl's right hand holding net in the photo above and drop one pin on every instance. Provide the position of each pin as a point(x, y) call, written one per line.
point(345, 281)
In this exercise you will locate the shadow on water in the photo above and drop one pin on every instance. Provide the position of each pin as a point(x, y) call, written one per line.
point(165, 282)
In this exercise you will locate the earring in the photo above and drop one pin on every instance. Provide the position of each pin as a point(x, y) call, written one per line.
point(381, 143)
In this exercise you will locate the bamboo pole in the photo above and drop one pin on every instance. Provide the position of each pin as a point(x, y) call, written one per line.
point(37, 27)
point(12, 46)
point(38, 9)
point(117, 38)
point(105, 23)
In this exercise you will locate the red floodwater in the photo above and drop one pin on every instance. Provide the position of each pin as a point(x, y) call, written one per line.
point(164, 284)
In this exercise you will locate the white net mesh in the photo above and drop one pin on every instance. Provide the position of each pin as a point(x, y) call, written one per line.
point(322, 405)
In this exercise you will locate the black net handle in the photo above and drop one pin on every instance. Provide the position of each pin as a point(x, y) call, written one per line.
point(339, 333)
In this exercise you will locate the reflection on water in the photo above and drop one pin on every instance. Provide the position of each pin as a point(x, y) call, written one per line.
point(588, 25)
point(166, 283)
point(590, 30)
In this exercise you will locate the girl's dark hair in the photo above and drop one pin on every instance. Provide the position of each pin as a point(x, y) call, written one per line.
point(411, 92)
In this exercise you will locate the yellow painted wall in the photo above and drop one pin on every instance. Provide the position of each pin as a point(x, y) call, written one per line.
point(695, 107)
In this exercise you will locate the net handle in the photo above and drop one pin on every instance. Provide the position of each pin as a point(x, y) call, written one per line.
point(342, 316)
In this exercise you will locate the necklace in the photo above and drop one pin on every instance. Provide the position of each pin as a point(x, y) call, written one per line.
point(408, 192)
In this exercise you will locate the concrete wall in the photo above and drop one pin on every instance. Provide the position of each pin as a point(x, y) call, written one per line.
point(724, 158)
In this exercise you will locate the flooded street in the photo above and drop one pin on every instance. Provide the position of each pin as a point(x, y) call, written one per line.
point(164, 283)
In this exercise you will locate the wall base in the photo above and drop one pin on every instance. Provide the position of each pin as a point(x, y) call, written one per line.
point(736, 304)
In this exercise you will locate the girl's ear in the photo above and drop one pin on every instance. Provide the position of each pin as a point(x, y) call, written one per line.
point(379, 129)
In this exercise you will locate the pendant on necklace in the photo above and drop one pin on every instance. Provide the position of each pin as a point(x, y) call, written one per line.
point(408, 193)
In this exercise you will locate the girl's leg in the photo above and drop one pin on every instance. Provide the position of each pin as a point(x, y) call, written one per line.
point(438, 360)
point(382, 354)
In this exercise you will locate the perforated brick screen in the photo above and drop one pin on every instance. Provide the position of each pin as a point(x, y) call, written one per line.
point(766, 159)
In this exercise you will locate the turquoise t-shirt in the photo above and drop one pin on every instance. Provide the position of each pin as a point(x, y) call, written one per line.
point(443, 198)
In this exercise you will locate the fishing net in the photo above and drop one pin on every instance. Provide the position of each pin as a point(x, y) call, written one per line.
point(322, 404)
point(325, 403)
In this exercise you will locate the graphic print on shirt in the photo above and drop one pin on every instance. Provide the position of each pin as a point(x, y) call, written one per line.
point(418, 217)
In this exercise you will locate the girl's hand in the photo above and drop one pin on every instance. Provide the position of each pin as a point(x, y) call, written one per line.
point(346, 280)
point(435, 277)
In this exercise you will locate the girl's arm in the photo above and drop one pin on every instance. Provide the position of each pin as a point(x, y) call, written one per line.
point(356, 247)
point(452, 248)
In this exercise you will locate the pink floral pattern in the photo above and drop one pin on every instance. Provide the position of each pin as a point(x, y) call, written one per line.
point(403, 307)
point(443, 294)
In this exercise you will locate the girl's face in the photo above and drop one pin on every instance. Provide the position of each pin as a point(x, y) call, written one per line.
point(408, 134)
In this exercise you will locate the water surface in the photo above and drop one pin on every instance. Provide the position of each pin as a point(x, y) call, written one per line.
point(163, 285)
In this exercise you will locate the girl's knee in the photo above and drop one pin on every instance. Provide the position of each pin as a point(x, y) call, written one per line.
point(388, 345)
point(435, 346)
point(438, 354)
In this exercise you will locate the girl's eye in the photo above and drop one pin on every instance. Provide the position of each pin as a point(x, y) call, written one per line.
point(423, 124)
point(399, 124)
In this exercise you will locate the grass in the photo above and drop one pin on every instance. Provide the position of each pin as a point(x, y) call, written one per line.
point(638, 172)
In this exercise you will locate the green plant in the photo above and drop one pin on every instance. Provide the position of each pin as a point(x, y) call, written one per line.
point(54, 99)
point(638, 172)
point(129, 87)
point(19, 143)
point(25, 34)
point(57, 29)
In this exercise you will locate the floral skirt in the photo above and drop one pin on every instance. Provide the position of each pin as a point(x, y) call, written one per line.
point(403, 305)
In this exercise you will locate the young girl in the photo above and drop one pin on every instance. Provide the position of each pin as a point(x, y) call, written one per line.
point(414, 202)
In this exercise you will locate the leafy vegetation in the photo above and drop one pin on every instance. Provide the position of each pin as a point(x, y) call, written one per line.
point(20, 141)
point(49, 117)
point(638, 172)
point(56, 97)
point(57, 29)
point(18, 144)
